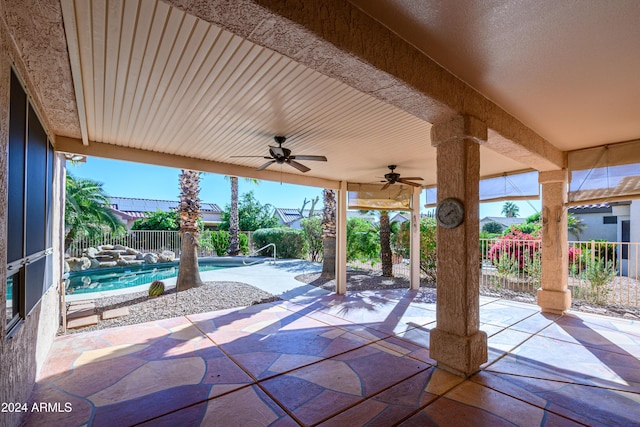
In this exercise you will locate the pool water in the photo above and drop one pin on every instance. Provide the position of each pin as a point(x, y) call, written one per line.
point(117, 278)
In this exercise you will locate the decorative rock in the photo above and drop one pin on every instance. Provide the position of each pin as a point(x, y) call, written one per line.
point(166, 256)
point(94, 263)
point(105, 248)
point(131, 251)
point(123, 262)
point(106, 264)
point(150, 258)
point(115, 254)
point(128, 257)
point(91, 252)
point(120, 247)
point(79, 264)
point(66, 267)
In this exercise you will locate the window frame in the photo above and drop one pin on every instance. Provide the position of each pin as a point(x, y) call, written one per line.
point(33, 174)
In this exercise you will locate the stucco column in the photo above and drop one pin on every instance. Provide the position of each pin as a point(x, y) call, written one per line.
point(341, 239)
point(414, 240)
point(554, 296)
point(457, 342)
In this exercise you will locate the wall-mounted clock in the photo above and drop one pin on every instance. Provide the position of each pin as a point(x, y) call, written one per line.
point(450, 213)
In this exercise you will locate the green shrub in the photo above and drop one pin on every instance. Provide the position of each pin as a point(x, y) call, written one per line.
point(156, 289)
point(290, 243)
point(427, 246)
point(363, 241)
point(312, 229)
point(217, 241)
point(244, 243)
point(492, 227)
point(597, 274)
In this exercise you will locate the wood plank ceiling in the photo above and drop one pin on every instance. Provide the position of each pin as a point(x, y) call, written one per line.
point(151, 77)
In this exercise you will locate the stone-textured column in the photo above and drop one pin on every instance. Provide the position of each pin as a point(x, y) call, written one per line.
point(414, 240)
point(554, 296)
point(457, 342)
point(341, 239)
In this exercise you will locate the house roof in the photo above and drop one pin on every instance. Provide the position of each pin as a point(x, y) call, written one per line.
point(137, 208)
point(504, 221)
point(288, 215)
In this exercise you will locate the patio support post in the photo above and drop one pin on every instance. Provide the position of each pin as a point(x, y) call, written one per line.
point(341, 239)
point(457, 343)
point(554, 295)
point(414, 240)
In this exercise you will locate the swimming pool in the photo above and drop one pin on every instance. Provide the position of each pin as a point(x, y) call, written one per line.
point(118, 278)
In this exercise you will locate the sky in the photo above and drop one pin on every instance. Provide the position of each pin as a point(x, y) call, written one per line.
point(137, 180)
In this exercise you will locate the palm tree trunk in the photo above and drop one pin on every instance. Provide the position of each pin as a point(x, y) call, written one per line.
point(189, 209)
point(385, 245)
point(234, 239)
point(329, 235)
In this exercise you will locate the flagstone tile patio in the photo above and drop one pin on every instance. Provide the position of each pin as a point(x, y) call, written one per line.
point(360, 359)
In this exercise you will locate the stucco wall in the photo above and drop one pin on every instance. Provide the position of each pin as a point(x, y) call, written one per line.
point(22, 355)
point(594, 229)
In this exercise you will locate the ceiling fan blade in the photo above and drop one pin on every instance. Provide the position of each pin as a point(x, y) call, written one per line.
point(309, 157)
point(384, 187)
point(299, 166)
point(266, 165)
point(254, 157)
point(404, 181)
point(413, 178)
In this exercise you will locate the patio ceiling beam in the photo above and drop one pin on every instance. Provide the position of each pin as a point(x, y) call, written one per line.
point(339, 40)
point(110, 151)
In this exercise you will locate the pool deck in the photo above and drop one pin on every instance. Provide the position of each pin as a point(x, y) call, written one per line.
point(318, 358)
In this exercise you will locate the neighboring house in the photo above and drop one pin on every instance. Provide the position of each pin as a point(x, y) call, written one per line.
point(400, 217)
point(503, 221)
point(613, 222)
point(292, 217)
point(599, 221)
point(131, 209)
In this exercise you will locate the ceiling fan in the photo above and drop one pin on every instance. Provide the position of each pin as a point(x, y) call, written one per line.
point(282, 155)
point(393, 177)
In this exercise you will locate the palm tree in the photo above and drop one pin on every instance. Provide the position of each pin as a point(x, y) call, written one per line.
point(329, 235)
point(189, 210)
point(575, 225)
point(510, 210)
point(234, 238)
point(87, 212)
point(234, 220)
point(386, 258)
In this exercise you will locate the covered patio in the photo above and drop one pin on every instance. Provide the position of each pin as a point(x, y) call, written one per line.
point(344, 360)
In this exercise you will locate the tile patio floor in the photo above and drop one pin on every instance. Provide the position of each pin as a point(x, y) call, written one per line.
point(360, 359)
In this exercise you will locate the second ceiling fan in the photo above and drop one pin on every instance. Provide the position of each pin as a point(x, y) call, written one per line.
point(393, 177)
point(282, 155)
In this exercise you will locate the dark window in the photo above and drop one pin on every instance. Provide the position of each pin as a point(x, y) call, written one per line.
point(609, 219)
point(626, 237)
point(30, 180)
point(17, 137)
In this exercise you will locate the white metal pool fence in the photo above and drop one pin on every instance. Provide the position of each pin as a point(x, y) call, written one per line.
point(143, 241)
point(599, 272)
